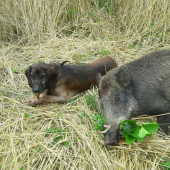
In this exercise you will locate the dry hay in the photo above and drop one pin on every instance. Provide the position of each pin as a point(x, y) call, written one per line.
point(27, 142)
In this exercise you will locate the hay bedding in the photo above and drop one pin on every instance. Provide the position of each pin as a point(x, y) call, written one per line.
point(26, 140)
point(29, 137)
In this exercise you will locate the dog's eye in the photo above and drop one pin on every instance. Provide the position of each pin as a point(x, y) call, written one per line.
point(32, 78)
point(43, 76)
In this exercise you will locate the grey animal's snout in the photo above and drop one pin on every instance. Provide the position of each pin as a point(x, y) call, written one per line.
point(110, 136)
point(112, 143)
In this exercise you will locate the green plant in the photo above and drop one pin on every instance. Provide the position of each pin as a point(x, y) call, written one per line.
point(132, 46)
point(151, 24)
point(26, 115)
point(74, 99)
point(0, 87)
point(70, 14)
point(90, 15)
point(165, 164)
point(12, 110)
point(41, 61)
point(26, 159)
point(105, 52)
point(37, 150)
point(132, 131)
point(83, 116)
point(90, 100)
point(88, 54)
point(98, 121)
point(59, 137)
point(14, 70)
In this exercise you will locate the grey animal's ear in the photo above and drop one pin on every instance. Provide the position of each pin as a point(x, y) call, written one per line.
point(98, 78)
point(123, 76)
point(63, 63)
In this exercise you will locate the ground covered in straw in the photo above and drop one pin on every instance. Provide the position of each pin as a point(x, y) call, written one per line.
point(62, 136)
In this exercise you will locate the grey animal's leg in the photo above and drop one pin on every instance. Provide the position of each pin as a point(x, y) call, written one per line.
point(164, 123)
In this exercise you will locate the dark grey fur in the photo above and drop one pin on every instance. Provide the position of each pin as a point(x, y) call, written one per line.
point(139, 87)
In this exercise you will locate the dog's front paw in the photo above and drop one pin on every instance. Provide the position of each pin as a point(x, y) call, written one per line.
point(32, 102)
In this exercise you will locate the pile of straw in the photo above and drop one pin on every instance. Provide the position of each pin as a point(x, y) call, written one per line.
point(62, 136)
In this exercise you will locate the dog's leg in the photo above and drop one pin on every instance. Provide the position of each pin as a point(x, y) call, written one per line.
point(48, 99)
point(45, 93)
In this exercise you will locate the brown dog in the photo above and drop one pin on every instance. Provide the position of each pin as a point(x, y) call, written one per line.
point(59, 82)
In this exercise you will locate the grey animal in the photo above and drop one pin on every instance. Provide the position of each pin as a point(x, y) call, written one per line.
point(139, 87)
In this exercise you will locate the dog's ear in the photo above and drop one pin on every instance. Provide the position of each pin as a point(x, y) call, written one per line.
point(54, 74)
point(51, 71)
point(27, 73)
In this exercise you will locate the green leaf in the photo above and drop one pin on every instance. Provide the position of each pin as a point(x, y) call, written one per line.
point(98, 127)
point(64, 130)
point(58, 129)
point(150, 135)
point(136, 132)
point(130, 139)
point(143, 132)
point(140, 139)
point(59, 138)
point(124, 121)
point(123, 133)
point(150, 127)
point(132, 131)
point(41, 61)
point(37, 150)
point(105, 52)
point(64, 143)
point(151, 24)
point(129, 126)
point(14, 70)
point(53, 131)
point(26, 115)
point(103, 120)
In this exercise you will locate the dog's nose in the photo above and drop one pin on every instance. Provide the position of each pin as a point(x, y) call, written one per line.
point(36, 89)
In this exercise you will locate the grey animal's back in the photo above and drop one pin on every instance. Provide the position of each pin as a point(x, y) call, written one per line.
point(152, 73)
point(158, 60)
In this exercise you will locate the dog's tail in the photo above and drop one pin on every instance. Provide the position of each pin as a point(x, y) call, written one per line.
point(63, 63)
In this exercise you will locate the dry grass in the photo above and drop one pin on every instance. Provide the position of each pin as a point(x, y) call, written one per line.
point(33, 31)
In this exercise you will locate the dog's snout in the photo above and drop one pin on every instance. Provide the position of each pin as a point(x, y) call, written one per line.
point(36, 89)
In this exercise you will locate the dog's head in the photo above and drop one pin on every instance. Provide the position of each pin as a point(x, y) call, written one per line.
point(43, 76)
